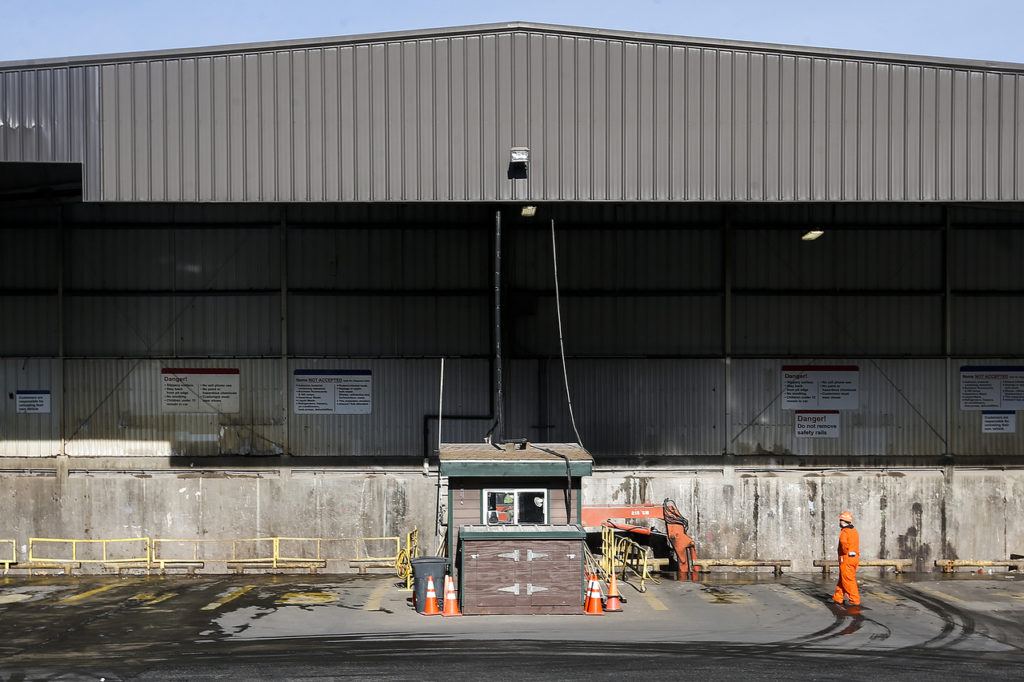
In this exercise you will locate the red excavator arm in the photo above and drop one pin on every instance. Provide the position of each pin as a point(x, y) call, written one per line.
point(677, 528)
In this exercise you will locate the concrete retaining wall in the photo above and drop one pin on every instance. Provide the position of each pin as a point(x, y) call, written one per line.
point(735, 513)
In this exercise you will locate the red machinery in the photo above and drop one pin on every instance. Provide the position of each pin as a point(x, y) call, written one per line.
point(677, 528)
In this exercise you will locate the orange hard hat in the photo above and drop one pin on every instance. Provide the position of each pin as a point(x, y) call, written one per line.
point(846, 516)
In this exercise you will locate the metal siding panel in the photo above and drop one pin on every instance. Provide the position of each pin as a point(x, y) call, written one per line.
point(772, 128)
point(459, 124)
point(475, 122)
point(489, 133)
point(882, 140)
point(865, 130)
point(174, 131)
point(141, 131)
point(505, 103)
point(788, 124)
point(249, 155)
point(113, 410)
point(348, 71)
point(330, 126)
point(967, 437)
point(630, 122)
point(368, 129)
point(756, 156)
point(299, 118)
point(615, 135)
point(990, 141)
point(315, 122)
point(724, 145)
point(235, 131)
point(1007, 133)
point(896, 189)
point(436, 140)
point(851, 130)
point(157, 141)
point(901, 413)
point(583, 158)
point(268, 149)
point(709, 125)
point(646, 155)
point(29, 435)
point(190, 131)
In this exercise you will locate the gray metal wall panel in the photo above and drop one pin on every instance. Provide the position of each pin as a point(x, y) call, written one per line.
point(967, 438)
point(901, 412)
point(27, 258)
point(890, 259)
point(374, 326)
point(113, 410)
point(989, 325)
point(607, 118)
point(837, 325)
point(29, 325)
point(622, 407)
point(404, 393)
point(987, 259)
point(49, 114)
point(29, 435)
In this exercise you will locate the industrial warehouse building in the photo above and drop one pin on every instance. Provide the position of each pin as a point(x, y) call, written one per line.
point(228, 277)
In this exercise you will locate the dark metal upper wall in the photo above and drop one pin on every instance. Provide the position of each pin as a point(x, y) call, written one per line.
point(608, 117)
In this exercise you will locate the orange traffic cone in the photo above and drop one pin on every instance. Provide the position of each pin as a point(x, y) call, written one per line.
point(430, 608)
point(614, 603)
point(592, 607)
point(451, 599)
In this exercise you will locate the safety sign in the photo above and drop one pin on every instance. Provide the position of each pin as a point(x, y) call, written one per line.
point(825, 387)
point(817, 423)
point(999, 421)
point(332, 391)
point(199, 390)
point(995, 387)
point(32, 402)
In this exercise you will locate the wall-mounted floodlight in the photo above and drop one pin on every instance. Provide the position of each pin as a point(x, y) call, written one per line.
point(528, 211)
point(518, 163)
point(811, 235)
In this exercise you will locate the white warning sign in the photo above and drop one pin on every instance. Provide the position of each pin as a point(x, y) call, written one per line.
point(332, 391)
point(995, 387)
point(825, 387)
point(999, 421)
point(32, 402)
point(816, 423)
point(199, 390)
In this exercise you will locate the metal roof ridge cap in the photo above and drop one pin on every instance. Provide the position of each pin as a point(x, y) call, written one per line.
point(408, 34)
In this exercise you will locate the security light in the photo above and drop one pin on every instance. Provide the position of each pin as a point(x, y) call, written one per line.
point(519, 155)
point(529, 211)
point(811, 235)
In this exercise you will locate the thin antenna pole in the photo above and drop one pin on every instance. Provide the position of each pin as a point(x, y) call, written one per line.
point(561, 342)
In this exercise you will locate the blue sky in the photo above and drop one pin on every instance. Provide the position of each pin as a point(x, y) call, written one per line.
point(981, 29)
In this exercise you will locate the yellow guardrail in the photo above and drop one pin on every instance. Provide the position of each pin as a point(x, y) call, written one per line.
point(273, 551)
point(403, 560)
point(11, 558)
point(84, 551)
point(278, 550)
point(618, 551)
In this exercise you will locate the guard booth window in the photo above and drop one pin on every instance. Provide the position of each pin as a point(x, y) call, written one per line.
point(509, 507)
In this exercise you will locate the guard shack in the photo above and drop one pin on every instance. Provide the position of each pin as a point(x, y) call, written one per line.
point(514, 528)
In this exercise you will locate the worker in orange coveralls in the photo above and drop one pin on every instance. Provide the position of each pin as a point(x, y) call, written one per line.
point(849, 559)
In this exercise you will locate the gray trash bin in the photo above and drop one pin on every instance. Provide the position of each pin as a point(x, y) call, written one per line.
point(435, 566)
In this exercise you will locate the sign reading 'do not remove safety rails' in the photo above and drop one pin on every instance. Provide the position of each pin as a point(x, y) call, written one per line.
point(32, 402)
point(199, 390)
point(332, 391)
point(817, 423)
point(820, 387)
point(991, 387)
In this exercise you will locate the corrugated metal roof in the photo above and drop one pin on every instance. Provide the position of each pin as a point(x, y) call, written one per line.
point(513, 25)
point(609, 116)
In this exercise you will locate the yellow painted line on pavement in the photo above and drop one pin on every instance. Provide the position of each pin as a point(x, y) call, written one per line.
point(938, 594)
point(161, 598)
point(799, 597)
point(654, 602)
point(882, 596)
point(375, 598)
point(306, 598)
point(229, 596)
point(718, 595)
point(82, 596)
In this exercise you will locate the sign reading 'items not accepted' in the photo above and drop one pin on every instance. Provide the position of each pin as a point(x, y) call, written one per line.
point(332, 391)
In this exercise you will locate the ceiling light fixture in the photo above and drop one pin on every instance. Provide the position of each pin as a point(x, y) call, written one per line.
point(528, 211)
point(811, 235)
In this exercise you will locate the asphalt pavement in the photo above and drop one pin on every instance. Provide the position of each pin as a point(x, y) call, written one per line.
point(326, 627)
